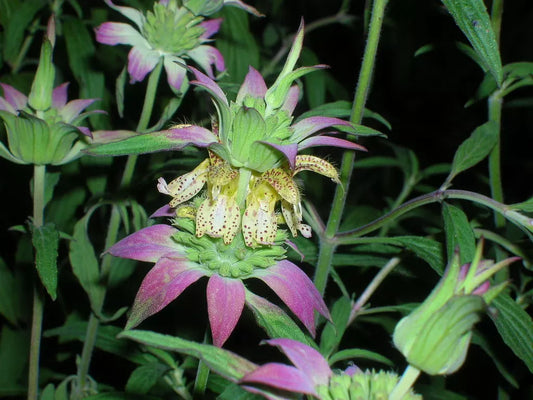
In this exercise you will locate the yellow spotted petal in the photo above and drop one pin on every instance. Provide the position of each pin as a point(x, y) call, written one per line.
point(202, 218)
point(220, 172)
point(316, 164)
point(283, 183)
point(186, 212)
point(290, 218)
point(187, 186)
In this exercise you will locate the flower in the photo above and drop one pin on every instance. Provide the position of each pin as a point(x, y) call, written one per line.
point(312, 375)
point(170, 34)
point(435, 337)
point(254, 183)
point(181, 258)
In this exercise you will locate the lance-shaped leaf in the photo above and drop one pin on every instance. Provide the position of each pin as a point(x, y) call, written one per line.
point(46, 241)
point(170, 139)
point(472, 17)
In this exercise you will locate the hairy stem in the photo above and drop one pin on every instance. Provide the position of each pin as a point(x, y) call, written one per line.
point(39, 173)
point(327, 246)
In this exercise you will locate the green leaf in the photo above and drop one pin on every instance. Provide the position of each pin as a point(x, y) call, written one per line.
point(8, 294)
point(237, 44)
point(315, 83)
point(14, 347)
point(526, 206)
point(84, 263)
point(235, 392)
point(15, 26)
point(106, 339)
point(143, 378)
point(45, 240)
point(222, 362)
point(427, 249)
point(515, 327)
point(48, 392)
point(51, 180)
point(459, 233)
point(120, 83)
point(274, 320)
point(351, 354)
point(120, 396)
point(472, 18)
point(81, 52)
point(474, 149)
point(333, 332)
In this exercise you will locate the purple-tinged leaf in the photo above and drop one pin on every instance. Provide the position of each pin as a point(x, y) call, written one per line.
point(16, 99)
point(59, 95)
point(282, 377)
point(164, 283)
point(149, 244)
point(207, 56)
point(290, 151)
point(208, 84)
point(243, 6)
point(305, 358)
point(254, 85)
point(101, 137)
point(113, 33)
point(165, 211)
point(306, 127)
point(176, 73)
point(73, 108)
point(330, 141)
point(211, 27)
point(296, 290)
point(131, 13)
point(225, 301)
point(291, 101)
point(167, 140)
point(141, 61)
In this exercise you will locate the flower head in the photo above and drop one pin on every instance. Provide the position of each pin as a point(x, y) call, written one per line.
point(181, 258)
point(435, 337)
point(312, 375)
point(170, 34)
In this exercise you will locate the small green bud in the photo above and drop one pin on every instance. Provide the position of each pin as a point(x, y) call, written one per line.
point(40, 97)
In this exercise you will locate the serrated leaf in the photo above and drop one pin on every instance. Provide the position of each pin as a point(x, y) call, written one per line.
point(474, 149)
point(45, 241)
point(143, 378)
point(515, 327)
point(220, 361)
point(351, 354)
point(473, 19)
point(427, 249)
point(85, 265)
point(333, 332)
point(459, 233)
point(274, 320)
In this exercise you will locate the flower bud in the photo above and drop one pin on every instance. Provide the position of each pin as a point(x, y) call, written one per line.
point(40, 97)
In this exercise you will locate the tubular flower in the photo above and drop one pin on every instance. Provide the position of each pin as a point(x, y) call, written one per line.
point(258, 184)
point(181, 258)
point(171, 34)
point(312, 375)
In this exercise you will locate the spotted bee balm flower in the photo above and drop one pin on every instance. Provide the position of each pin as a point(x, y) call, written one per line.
point(169, 33)
point(181, 258)
point(253, 157)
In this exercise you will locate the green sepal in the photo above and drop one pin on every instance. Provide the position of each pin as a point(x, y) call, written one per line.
point(40, 97)
point(203, 7)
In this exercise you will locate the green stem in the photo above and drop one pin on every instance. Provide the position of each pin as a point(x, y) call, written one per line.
point(112, 234)
point(353, 236)
point(200, 384)
point(25, 47)
point(327, 246)
point(371, 288)
point(39, 173)
point(410, 375)
point(495, 103)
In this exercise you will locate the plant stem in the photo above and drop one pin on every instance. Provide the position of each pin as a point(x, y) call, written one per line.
point(112, 233)
point(39, 173)
point(353, 236)
point(327, 246)
point(495, 103)
point(410, 375)
point(371, 288)
point(200, 383)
